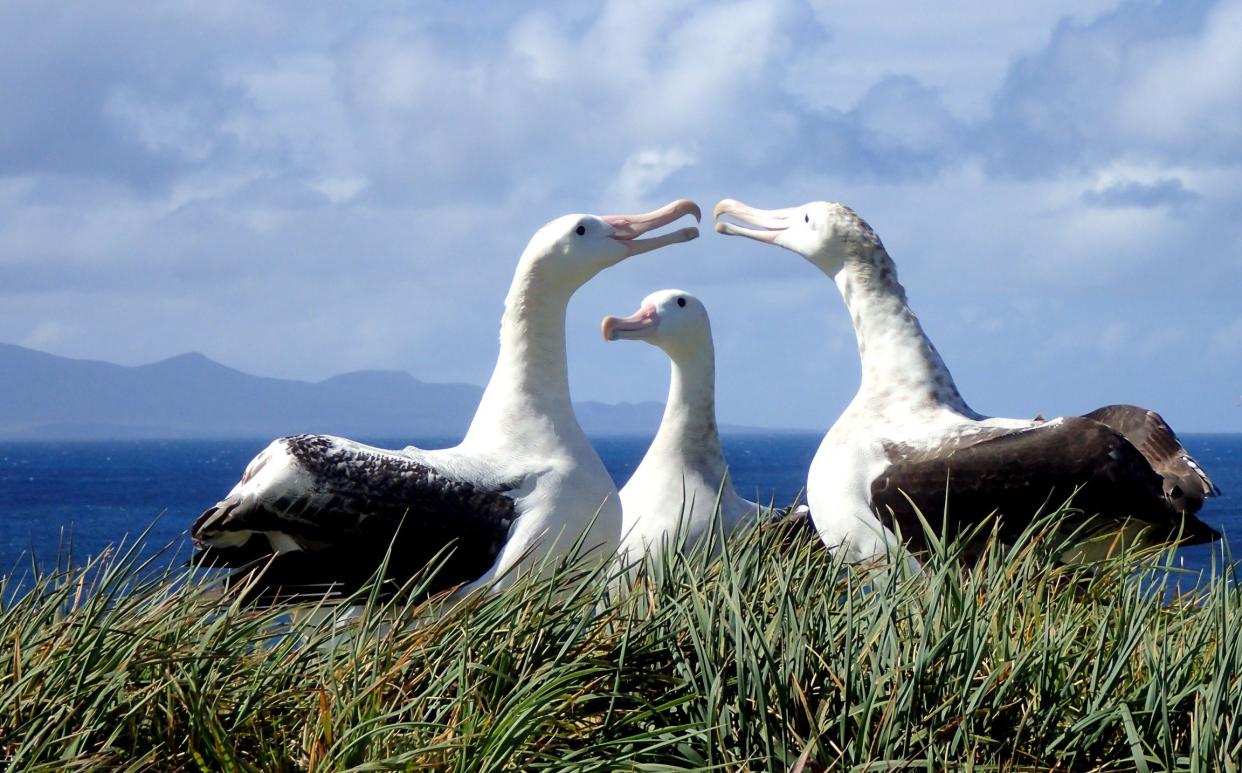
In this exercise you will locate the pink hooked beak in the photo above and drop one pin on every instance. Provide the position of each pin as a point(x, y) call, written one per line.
point(773, 221)
point(627, 227)
point(640, 324)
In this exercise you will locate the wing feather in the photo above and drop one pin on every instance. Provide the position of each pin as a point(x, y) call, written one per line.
point(344, 504)
point(1185, 483)
point(1017, 473)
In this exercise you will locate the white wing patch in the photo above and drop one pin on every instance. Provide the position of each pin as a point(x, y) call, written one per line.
point(1213, 491)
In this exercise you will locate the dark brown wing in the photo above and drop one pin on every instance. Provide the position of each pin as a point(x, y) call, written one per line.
point(1021, 472)
point(1185, 483)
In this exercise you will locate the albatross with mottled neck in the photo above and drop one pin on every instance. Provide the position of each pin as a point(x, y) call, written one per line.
point(908, 436)
point(319, 513)
point(683, 480)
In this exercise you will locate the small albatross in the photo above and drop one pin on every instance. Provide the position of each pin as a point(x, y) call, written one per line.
point(318, 514)
point(909, 437)
point(674, 493)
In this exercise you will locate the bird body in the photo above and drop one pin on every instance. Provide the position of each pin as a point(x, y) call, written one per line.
point(908, 443)
point(681, 490)
point(320, 514)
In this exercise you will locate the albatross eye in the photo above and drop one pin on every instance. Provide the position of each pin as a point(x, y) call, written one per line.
point(681, 302)
point(580, 230)
point(806, 218)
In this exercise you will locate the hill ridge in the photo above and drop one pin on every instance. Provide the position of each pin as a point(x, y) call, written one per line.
point(47, 396)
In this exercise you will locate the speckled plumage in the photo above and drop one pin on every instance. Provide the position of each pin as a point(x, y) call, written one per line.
point(909, 439)
point(354, 503)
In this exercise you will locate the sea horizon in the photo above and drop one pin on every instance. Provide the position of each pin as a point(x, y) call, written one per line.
point(96, 492)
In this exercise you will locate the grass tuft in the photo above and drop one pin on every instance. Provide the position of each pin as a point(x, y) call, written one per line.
point(769, 656)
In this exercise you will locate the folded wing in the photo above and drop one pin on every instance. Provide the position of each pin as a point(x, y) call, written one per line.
point(319, 515)
point(1018, 473)
point(1185, 483)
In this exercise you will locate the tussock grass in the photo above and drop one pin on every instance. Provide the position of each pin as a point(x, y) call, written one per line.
point(770, 656)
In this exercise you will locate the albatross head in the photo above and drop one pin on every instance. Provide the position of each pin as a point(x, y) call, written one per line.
point(574, 248)
point(673, 320)
point(827, 234)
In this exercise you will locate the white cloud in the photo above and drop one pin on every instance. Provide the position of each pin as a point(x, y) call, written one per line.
point(234, 180)
point(159, 126)
point(340, 190)
point(644, 171)
point(541, 47)
point(48, 334)
point(1189, 88)
point(1150, 81)
point(962, 49)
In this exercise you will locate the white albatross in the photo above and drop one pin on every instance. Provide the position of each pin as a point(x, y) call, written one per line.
point(319, 513)
point(673, 496)
point(908, 436)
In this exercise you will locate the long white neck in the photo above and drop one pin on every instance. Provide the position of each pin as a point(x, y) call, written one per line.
point(688, 430)
point(900, 365)
point(527, 399)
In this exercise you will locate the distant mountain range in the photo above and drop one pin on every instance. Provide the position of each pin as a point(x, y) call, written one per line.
point(43, 396)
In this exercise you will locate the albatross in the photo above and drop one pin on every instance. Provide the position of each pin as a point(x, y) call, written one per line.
point(319, 514)
point(683, 481)
point(909, 440)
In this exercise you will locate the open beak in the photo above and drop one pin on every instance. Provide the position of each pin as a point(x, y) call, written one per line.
point(627, 227)
point(640, 324)
point(771, 221)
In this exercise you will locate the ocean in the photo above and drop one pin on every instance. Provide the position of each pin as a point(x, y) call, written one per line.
point(83, 496)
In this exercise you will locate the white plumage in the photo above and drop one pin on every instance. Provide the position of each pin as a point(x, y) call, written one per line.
point(683, 482)
point(523, 485)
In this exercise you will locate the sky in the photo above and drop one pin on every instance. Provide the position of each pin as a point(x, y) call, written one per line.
point(300, 190)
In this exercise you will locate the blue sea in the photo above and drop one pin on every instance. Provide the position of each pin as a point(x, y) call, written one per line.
point(84, 496)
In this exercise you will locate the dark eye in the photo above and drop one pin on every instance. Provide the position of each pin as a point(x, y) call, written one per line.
point(806, 218)
point(681, 301)
point(580, 230)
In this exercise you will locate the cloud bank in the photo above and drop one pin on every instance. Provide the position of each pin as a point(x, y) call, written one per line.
point(299, 191)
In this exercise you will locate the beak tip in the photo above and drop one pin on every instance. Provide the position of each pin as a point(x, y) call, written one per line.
point(722, 206)
point(638, 326)
point(722, 228)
